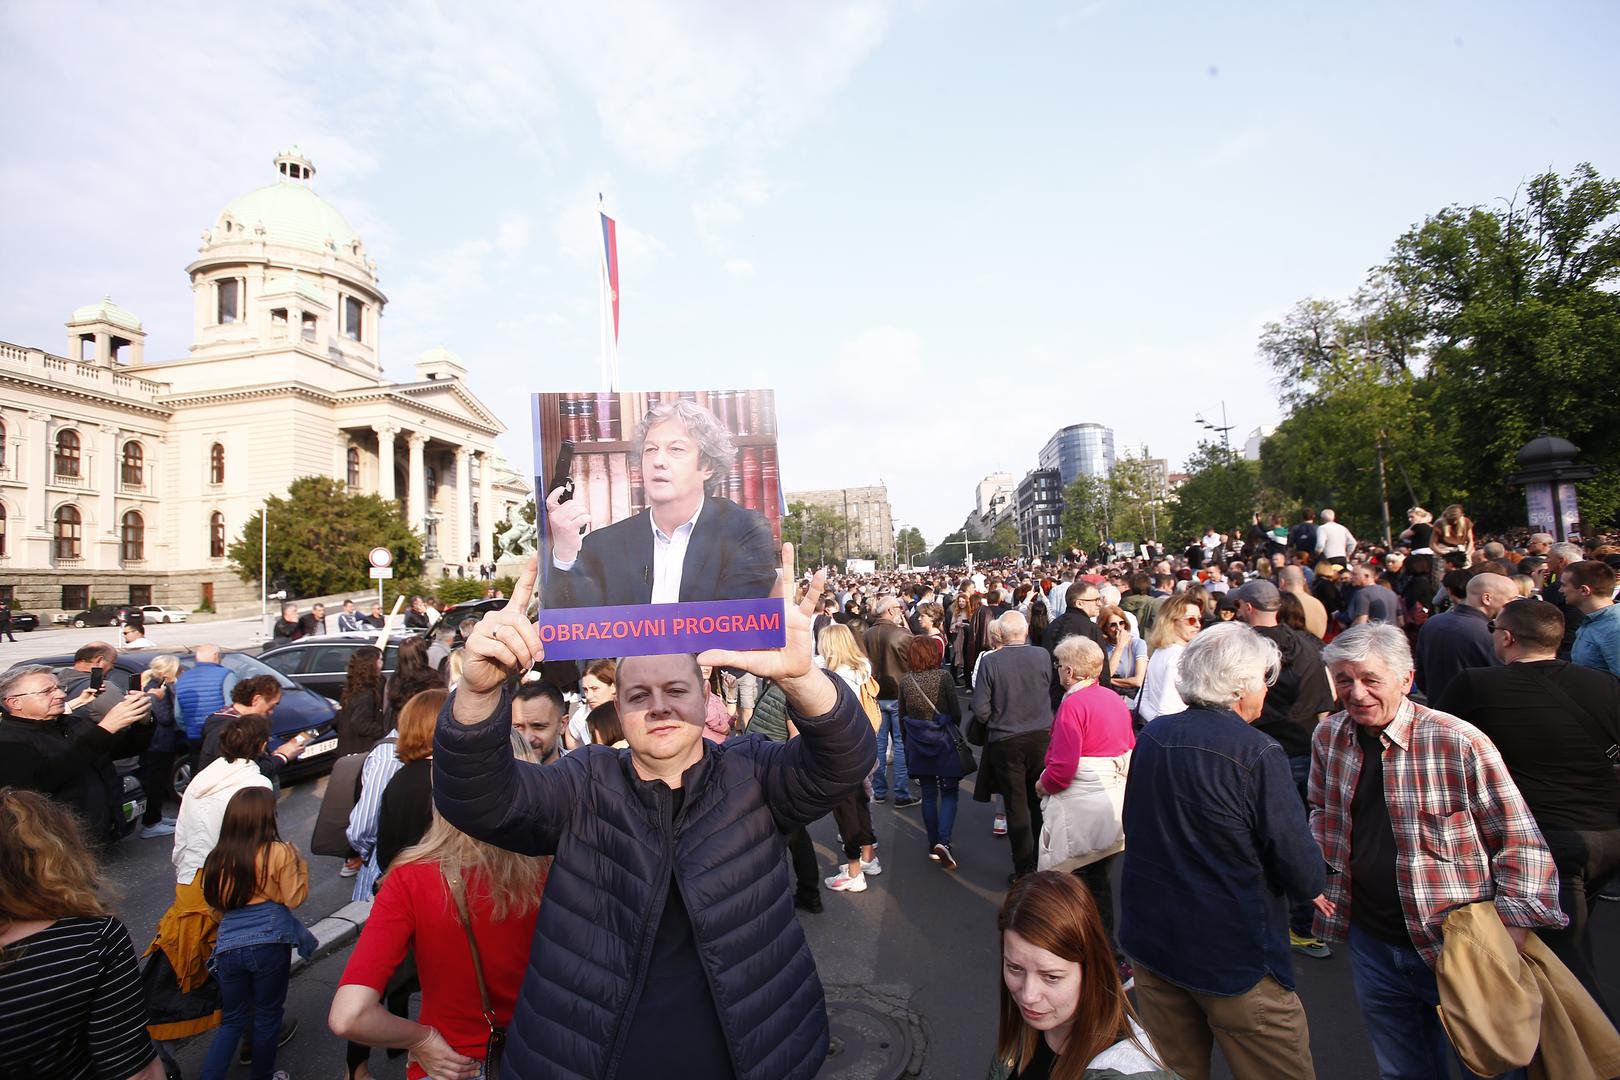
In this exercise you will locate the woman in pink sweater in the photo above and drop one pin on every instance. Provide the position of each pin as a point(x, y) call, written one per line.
point(1083, 784)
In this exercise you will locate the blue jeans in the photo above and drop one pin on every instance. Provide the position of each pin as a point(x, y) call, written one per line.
point(939, 796)
point(1398, 995)
point(252, 988)
point(1301, 912)
point(890, 729)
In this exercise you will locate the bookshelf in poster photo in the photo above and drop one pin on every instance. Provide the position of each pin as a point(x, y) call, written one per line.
point(657, 499)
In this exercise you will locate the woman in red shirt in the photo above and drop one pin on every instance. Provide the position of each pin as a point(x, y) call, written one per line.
point(415, 909)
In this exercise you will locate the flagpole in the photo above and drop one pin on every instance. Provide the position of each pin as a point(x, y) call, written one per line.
point(605, 320)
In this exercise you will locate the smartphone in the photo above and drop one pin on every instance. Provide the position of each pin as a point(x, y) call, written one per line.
point(97, 677)
point(560, 472)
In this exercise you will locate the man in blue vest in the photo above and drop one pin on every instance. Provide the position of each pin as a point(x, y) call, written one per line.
point(203, 690)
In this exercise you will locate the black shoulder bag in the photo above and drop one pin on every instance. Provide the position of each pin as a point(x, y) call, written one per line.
point(495, 1045)
point(964, 752)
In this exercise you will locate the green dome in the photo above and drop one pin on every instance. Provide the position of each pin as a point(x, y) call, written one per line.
point(105, 311)
point(290, 211)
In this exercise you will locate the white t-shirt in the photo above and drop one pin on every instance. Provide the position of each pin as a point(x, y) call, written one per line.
point(1159, 695)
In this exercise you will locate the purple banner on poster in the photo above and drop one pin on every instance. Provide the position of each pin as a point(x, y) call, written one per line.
point(650, 629)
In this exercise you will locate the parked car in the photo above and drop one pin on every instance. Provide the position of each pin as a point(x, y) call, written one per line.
point(322, 663)
point(298, 710)
point(452, 615)
point(24, 621)
point(157, 613)
point(103, 615)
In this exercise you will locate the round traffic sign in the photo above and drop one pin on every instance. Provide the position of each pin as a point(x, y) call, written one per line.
point(381, 556)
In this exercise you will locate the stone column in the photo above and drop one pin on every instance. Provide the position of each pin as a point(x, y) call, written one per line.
point(463, 532)
point(104, 479)
point(416, 515)
point(385, 459)
point(35, 471)
point(486, 510)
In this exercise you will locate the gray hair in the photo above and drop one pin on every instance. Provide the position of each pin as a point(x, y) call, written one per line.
point(1013, 626)
point(1081, 655)
point(1378, 641)
point(1570, 553)
point(12, 678)
point(1224, 663)
point(715, 449)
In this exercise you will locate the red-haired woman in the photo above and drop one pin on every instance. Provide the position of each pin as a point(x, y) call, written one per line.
point(1064, 1014)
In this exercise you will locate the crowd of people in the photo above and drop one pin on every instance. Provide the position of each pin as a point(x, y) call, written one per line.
point(1275, 746)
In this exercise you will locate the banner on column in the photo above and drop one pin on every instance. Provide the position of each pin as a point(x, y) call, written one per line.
point(660, 518)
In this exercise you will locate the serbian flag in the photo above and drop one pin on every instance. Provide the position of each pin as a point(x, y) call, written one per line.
point(610, 269)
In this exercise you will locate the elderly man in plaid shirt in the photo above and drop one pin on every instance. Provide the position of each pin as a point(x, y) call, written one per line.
point(1416, 815)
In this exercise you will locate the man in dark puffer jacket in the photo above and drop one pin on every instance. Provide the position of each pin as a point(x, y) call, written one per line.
point(666, 944)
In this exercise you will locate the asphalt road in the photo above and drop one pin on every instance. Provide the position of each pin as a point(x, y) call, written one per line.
point(226, 633)
point(919, 934)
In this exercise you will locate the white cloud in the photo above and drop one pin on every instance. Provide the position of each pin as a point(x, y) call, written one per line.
point(1239, 146)
point(740, 268)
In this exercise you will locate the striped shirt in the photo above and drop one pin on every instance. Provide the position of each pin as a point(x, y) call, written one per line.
point(1462, 831)
point(379, 768)
point(73, 1004)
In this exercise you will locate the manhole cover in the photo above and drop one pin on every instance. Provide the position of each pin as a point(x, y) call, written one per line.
point(865, 1044)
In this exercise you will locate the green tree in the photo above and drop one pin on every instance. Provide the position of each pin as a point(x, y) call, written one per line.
point(819, 534)
point(909, 543)
point(1136, 499)
point(949, 551)
point(320, 535)
point(1520, 318)
point(1003, 543)
point(1221, 490)
point(1085, 514)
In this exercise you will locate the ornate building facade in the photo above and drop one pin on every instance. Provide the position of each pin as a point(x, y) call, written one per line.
point(125, 480)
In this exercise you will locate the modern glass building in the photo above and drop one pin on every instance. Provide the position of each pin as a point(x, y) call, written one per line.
point(1079, 450)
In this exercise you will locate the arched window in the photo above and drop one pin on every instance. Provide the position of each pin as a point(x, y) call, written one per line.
point(134, 467)
point(132, 538)
point(69, 532)
point(216, 464)
point(2, 530)
point(216, 535)
point(67, 453)
point(354, 467)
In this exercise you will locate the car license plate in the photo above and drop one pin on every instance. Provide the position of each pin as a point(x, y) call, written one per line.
point(321, 747)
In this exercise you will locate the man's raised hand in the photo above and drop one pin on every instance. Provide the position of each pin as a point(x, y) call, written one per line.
point(504, 644)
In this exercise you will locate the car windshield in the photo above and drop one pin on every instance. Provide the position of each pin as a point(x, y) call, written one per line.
point(246, 666)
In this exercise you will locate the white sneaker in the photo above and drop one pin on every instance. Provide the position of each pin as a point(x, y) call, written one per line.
point(998, 827)
point(842, 882)
point(161, 828)
point(875, 867)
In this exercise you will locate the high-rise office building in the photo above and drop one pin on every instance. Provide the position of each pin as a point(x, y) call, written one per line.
point(1079, 450)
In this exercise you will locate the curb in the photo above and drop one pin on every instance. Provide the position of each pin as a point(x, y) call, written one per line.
point(335, 932)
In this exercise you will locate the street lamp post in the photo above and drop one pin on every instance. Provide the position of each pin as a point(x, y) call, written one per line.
point(1225, 430)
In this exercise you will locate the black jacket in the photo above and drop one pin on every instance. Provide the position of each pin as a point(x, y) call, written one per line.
point(1074, 621)
point(616, 840)
point(70, 759)
point(731, 556)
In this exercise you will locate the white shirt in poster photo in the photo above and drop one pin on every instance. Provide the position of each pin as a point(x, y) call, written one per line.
point(669, 557)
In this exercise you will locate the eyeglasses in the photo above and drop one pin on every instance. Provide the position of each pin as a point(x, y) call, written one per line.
point(1089, 600)
point(1193, 620)
point(47, 690)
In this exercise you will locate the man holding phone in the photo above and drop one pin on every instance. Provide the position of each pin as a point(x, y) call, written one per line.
point(67, 755)
point(89, 672)
point(690, 544)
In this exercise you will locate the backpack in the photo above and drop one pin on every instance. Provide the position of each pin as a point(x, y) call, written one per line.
point(331, 834)
point(869, 702)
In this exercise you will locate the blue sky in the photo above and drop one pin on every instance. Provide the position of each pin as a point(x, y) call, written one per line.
point(940, 230)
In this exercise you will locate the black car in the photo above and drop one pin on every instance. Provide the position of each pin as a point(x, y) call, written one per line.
point(452, 615)
point(321, 663)
point(298, 710)
point(24, 621)
point(103, 615)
